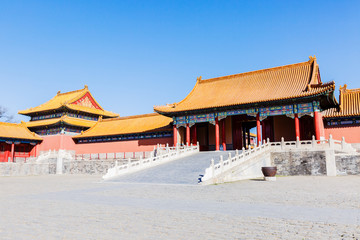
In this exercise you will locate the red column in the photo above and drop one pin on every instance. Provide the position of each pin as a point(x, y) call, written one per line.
point(12, 152)
point(187, 134)
point(258, 131)
point(174, 135)
point(223, 134)
point(297, 126)
point(317, 123)
point(6, 155)
point(194, 135)
point(217, 140)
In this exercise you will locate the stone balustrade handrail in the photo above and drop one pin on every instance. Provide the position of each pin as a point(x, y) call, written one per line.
point(159, 156)
point(216, 170)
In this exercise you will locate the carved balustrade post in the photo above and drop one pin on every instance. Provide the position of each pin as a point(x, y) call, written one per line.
point(313, 141)
point(229, 159)
point(221, 164)
point(297, 142)
point(212, 168)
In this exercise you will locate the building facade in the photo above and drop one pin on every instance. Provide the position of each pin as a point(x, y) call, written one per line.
point(220, 113)
point(284, 101)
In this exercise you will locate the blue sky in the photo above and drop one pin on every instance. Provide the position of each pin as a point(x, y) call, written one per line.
point(137, 54)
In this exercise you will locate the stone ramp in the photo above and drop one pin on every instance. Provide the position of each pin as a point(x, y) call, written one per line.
point(186, 170)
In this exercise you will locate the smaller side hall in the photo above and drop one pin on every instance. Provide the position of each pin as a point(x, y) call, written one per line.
point(345, 121)
point(17, 142)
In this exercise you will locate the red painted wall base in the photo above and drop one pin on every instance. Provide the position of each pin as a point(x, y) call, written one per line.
point(351, 133)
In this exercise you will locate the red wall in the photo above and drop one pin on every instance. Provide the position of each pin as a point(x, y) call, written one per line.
point(66, 142)
point(351, 134)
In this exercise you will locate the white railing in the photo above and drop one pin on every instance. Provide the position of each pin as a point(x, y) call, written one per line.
point(314, 144)
point(112, 155)
point(216, 170)
point(159, 156)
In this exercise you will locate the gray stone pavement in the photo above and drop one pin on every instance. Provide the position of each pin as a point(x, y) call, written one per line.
point(84, 207)
point(186, 170)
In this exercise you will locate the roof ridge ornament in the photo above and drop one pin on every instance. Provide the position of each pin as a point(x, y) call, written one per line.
point(198, 79)
point(343, 89)
point(312, 58)
point(86, 86)
point(58, 92)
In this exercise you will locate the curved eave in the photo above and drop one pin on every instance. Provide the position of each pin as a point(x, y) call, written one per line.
point(98, 112)
point(67, 121)
point(73, 107)
point(329, 89)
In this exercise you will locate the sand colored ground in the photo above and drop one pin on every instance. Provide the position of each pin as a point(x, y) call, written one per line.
point(84, 207)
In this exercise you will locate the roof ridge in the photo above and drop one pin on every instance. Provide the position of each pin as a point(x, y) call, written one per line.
point(352, 91)
point(255, 71)
point(74, 91)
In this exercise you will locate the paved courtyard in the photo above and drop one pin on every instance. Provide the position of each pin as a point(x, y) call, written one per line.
point(84, 207)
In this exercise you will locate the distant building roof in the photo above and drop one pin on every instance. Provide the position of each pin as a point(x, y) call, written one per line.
point(65, 119)
point(79, 100)
point(128, 125)
point(349, 104)
point(17, 131)
point(262, 86)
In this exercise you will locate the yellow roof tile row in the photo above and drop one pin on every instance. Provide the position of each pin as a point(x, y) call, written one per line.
point(127, 125)
point(66, 119)
point(66, 100)
point(273, 84)
point(17, 131)
point(349, 104)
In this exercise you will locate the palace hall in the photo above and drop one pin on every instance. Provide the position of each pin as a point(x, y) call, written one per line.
point(284, 101)
point(220, 113)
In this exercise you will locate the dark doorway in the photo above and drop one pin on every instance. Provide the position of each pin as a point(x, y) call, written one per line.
point(202, 134)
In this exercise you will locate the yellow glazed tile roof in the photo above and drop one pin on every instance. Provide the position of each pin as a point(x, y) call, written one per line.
point(17, 131)
point(127, 125)
point(349, 104)
point(66, 119)
point(67, 100)
point(279, 83)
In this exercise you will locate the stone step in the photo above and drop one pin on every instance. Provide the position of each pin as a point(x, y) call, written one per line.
point(186, 170)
